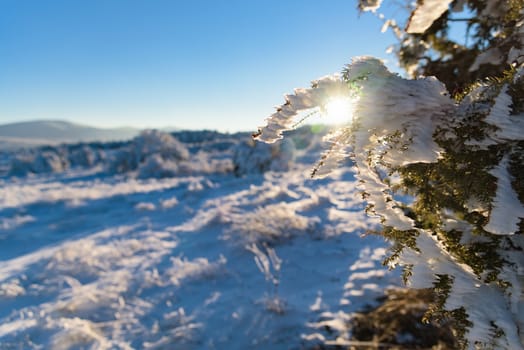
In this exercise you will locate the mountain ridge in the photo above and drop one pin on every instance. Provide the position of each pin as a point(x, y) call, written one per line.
point(39, 132)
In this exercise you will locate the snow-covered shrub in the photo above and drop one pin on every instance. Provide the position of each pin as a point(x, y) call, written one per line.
point(49, 162)
point(151, 142)
point(254, 158)
point(21, 165)
point(206, 163)
point(83, 156)
point(156, 166)
point(56, 159)
point(271, 223)
point(445, 178)
point(152, 154)
point(121, 161)
point(41, 161)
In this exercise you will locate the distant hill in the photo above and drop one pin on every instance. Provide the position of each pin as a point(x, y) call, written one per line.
point(42, 132)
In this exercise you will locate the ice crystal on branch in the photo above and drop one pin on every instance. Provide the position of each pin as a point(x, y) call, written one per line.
point(286, 116)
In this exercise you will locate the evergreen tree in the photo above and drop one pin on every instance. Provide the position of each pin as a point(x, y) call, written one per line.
point(441, 160)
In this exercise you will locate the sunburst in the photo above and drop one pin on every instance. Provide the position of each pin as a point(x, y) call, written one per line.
point(338, 111)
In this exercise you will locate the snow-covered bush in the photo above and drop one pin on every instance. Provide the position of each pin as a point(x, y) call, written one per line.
point(152, 153)
point(40, 162)
point(151, 142)
point(206, 163)
point(83, 156)
point(444, 174)
point(271, 223)
point(156, 166)
point(21, 165)
point(255, 158)
point(49, 162)
point(121, 161)
point(55, 159)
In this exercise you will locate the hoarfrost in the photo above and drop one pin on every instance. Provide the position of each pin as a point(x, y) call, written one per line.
point(427, 12)
point(507, 210)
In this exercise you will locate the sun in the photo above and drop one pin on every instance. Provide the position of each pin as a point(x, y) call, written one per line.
point(338, 110)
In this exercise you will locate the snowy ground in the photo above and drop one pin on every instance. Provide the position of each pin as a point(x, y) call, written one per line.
point(209, 261)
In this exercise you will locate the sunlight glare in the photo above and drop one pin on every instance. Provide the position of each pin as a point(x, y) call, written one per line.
point(338, 110)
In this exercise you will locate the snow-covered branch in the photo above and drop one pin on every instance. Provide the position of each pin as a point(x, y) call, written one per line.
point(450, 201)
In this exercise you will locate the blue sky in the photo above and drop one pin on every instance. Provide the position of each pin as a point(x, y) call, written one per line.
point(193, 64)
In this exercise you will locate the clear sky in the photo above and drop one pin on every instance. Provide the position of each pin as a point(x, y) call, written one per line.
point(192, 64)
